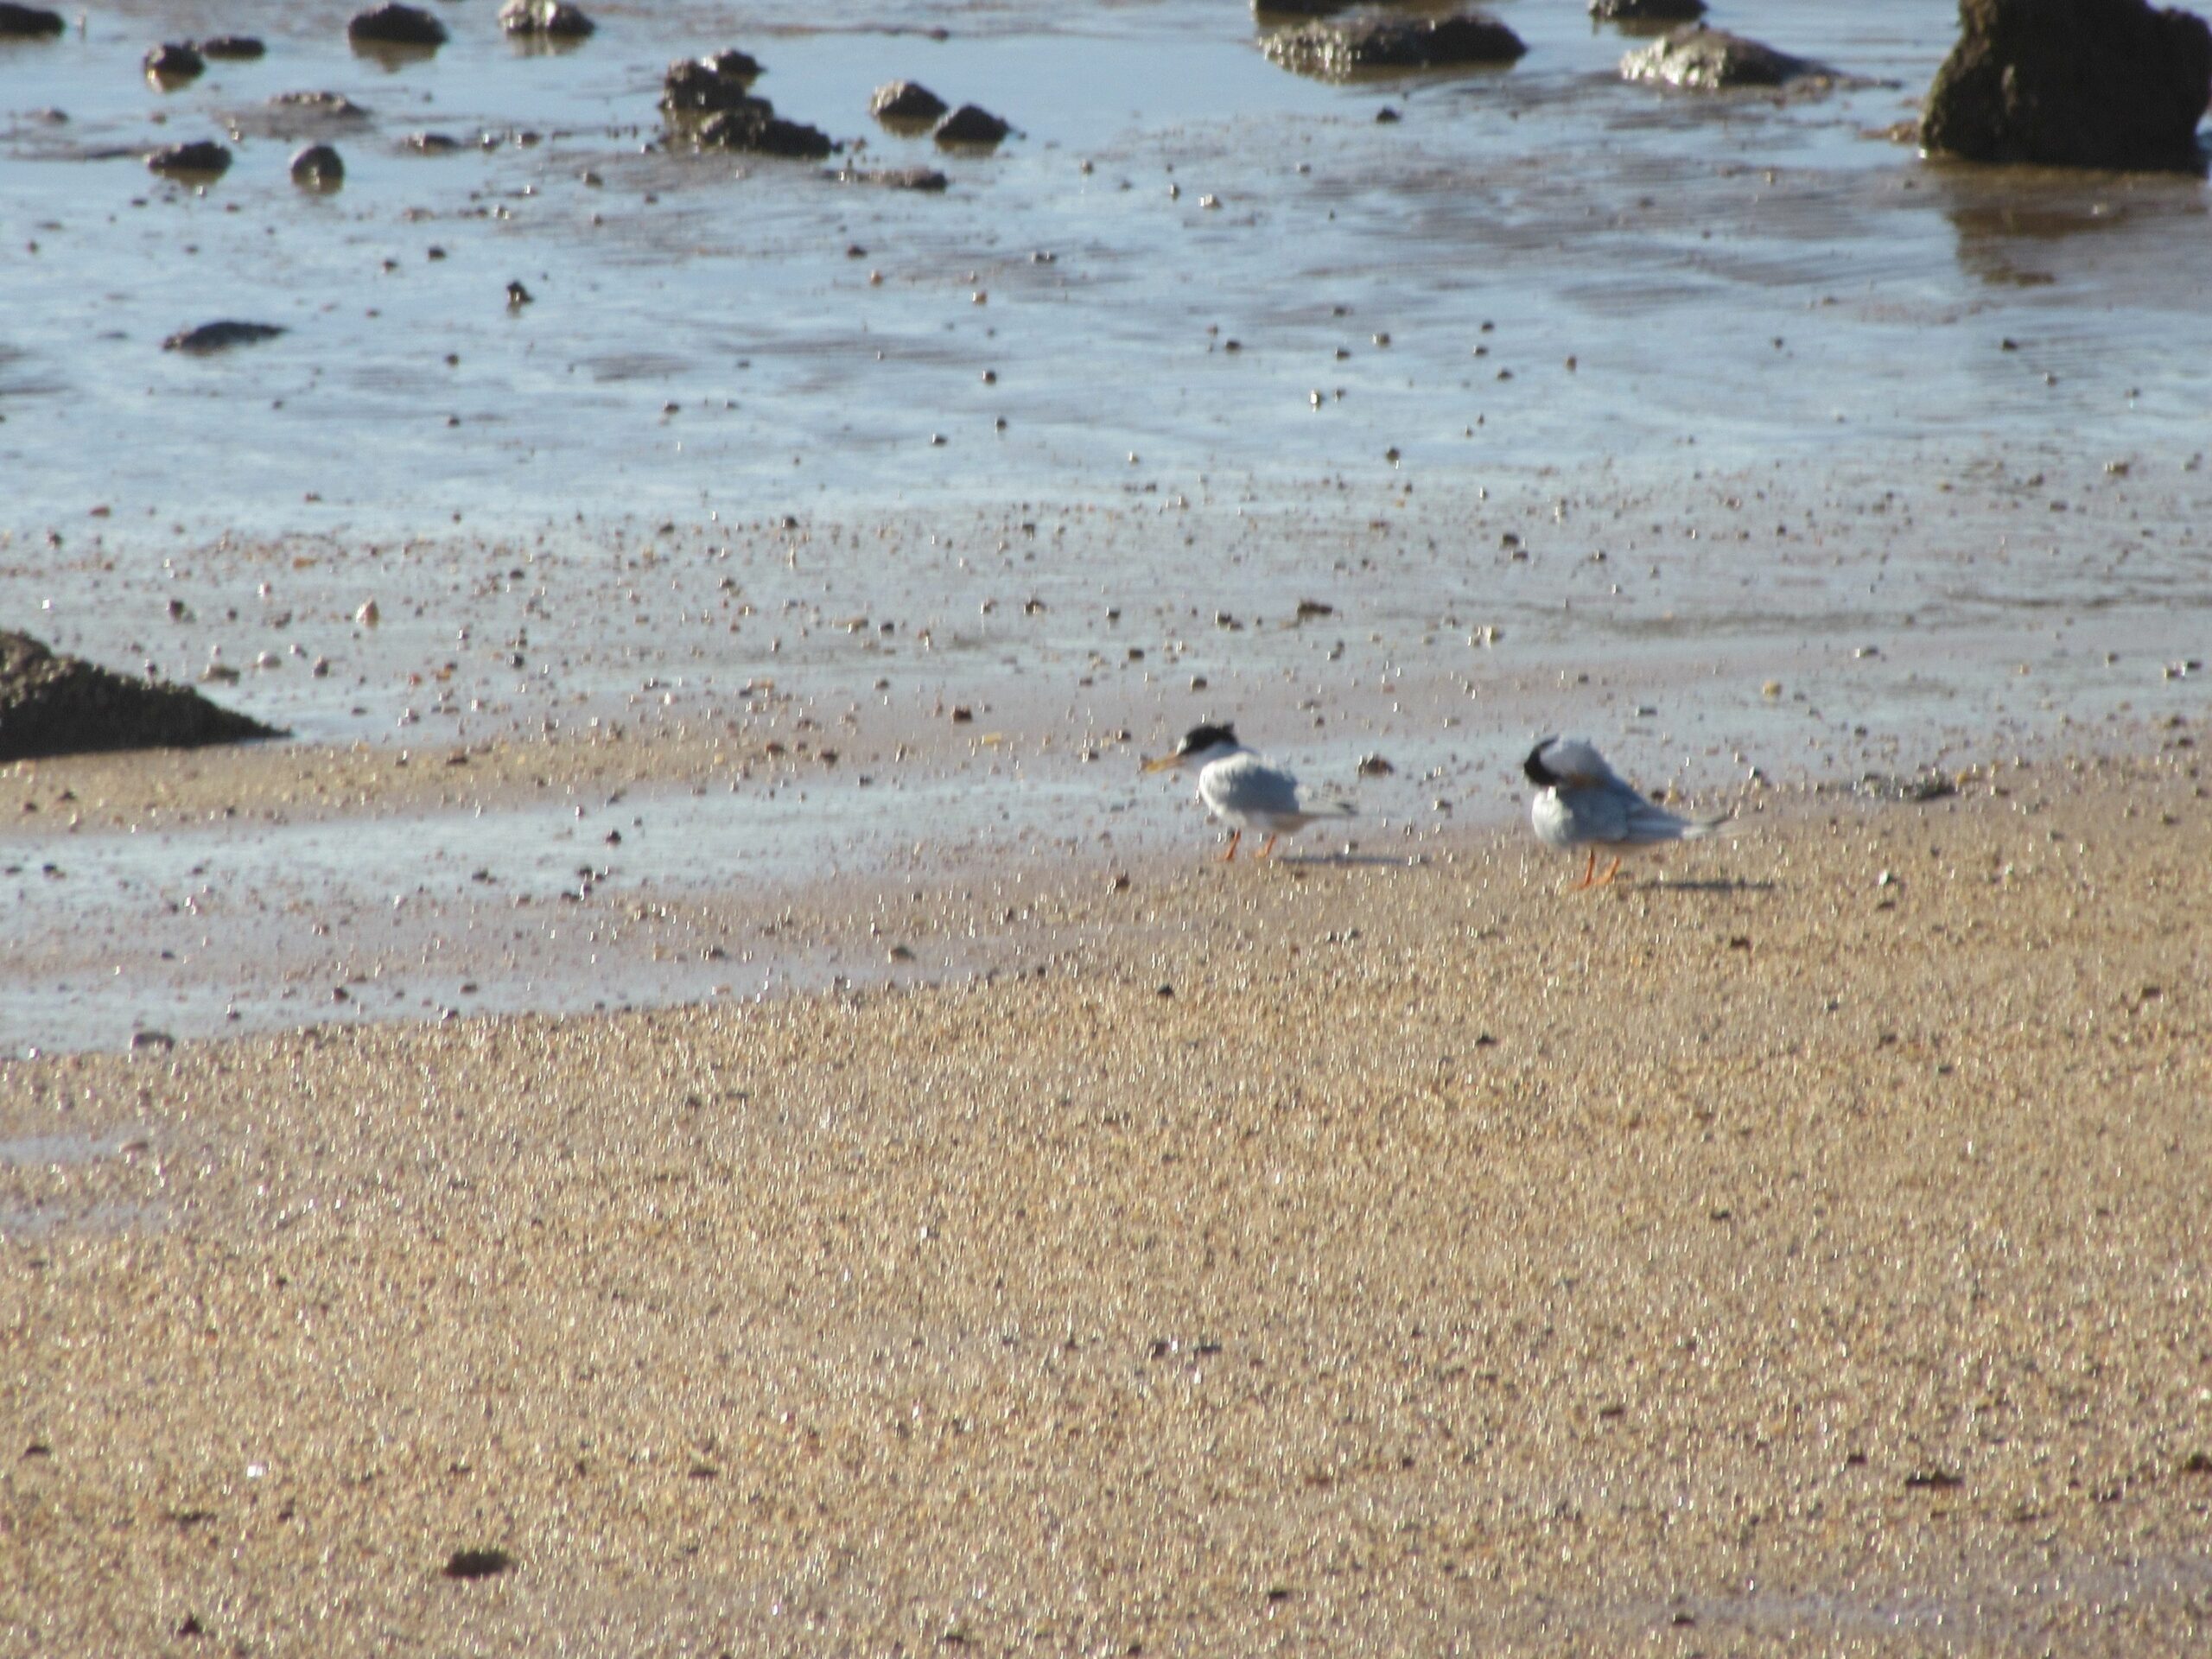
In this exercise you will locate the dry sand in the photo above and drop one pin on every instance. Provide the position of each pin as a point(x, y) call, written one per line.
point(1804, 1245)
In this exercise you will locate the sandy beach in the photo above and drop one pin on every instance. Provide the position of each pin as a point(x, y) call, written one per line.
point(1801, 1245)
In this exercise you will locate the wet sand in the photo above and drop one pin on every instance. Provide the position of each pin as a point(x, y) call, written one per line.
point(597, 770)
point(1801, 1245)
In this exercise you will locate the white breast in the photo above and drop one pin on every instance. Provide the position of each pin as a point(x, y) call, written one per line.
point(1554, 823)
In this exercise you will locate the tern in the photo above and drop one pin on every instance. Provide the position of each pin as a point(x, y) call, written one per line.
point(1244, 791)
point(1582, 801)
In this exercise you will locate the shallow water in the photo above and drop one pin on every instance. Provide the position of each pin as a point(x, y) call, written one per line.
point(1665, 242)
point(1726, 431)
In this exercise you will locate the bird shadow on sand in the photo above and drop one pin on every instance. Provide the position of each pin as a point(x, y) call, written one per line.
point(1710, 884)
point(1331, 861)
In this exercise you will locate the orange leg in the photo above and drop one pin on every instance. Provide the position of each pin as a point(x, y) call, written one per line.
point(1235, 836)
point(1267, 848)
point(1611, 870)
point(1581, 885)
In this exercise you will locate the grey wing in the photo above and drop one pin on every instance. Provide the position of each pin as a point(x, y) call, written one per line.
point(1246, 784)
point(1647, 823)
point(1603, 812)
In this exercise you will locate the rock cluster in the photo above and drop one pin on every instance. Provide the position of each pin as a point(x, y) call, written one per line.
point(709, 105)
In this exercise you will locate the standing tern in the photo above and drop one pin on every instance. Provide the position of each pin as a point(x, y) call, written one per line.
point(1243, 791)
point(1582, 801)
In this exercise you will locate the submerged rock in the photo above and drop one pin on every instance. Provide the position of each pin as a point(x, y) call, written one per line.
point(1337, 50)
point(318, 167)
point(970, 125)
point(697, 86)
point(393, 24)
point(233, 48)
point(924, 179)
point(27, 22)
point(219, 336)
point(202, 159)
point(61, 705)
point(1647, 13)
point(905, 106)
point(1698, 59)
point(555, 19)
point(318, 106)
point(2072, 83)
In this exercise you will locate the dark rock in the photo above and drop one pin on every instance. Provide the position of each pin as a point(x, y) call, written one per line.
point(220, 337)
point(2072, 83)
point(393, 24)
point(1365, 45)
point(202, 159)
point(318, 167)
point(431, 143)
point(60, 705)
point(1647, 14)
point(905, 107)
point(233, 48)
point(477, 1563)
point(175, 63)
point(697, 86)
point(1698, 59)
point(970, 125)
point(893, 178)
point(555, 19)
point(1277, 12)
point(28, 22)
point(754, 127)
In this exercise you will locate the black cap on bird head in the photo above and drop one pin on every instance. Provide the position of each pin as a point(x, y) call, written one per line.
point(1205, 737)
point(1538, 773)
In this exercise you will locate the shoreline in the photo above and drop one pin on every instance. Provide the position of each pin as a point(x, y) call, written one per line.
point(669, 932)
